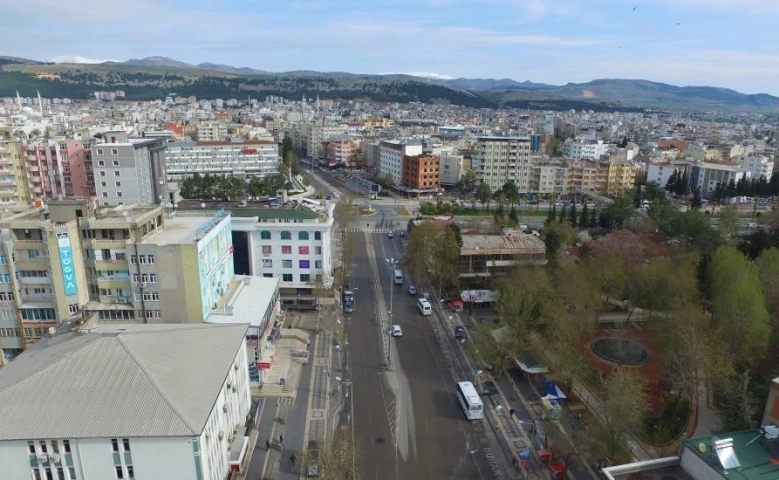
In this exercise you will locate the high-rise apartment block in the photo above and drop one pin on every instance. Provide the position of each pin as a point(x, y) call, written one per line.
point(391, 155)
point(129, 171)
point(504, 159)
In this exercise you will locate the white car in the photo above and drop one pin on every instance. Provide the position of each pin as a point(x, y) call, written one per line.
point(390, 234)
point(396, 331)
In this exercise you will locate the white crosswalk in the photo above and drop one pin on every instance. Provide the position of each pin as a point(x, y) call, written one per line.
point(370, 230)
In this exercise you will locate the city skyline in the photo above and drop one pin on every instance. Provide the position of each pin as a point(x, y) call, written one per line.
point(721, 43)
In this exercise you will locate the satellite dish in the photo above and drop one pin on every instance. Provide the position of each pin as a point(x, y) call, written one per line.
point(202, 204)
point(52, 330)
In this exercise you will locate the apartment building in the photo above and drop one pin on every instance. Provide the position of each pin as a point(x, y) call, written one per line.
point(315, 137)
point(248, 158)
point(421, 173)
point(211, 131)
point(758, 166)
point(391, 155)
point(450, 169)
point(14, 187)
point(547, 179)
point(584, 150)
point(342, 152)
point(706, 176)
point(504, 159)
point(129, 171)
point(75, 259)
point(124, 402)
point(603, 178)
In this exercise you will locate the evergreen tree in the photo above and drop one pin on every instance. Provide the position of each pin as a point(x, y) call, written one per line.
point(594, 219)
point(563, 214)
point(670, 185)
point(552, 215)
point(584, 218)
point(696, 199)
point(739, 406)
point(573, 215)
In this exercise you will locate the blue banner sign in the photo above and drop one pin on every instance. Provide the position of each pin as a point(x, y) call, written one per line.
point(66, 262)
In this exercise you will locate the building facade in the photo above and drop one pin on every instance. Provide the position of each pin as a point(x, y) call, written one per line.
point(129, 171)
point(505, 159)
point(421, 172)
point(155, 401)
point(225, 159)
point(391, 155)
point(450, 169)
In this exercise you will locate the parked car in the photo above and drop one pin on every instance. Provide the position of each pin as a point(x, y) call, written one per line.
point(489, 388)
point(412, 290)
point(390, 234)
point(396, 331)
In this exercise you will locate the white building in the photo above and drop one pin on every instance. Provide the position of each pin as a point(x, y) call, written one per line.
point(707, 176)
point(293, 244)
point(450, 169)
point(660, 173)
point(758, 166)
point(391, 154)
point(211, 131)
point(131, 401)
point(547, 179)
point(249, 158)
point(504, 159)
point(585, 151)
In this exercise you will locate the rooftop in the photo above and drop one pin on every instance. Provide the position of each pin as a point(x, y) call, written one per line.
point(261, 209)
point(118, 381)
point(752, 451)
point(248, 303)
point(508, 242)
point(181, 230)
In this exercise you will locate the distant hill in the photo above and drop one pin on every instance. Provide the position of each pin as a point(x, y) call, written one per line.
point(153, 77)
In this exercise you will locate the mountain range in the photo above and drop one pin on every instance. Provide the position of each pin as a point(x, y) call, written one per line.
point(153, 77)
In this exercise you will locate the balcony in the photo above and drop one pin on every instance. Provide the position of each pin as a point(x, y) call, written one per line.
point(111, 265)
point(105, 244)
point(28, 245)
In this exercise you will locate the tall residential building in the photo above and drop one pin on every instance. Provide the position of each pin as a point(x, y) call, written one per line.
point(211, 131)
point(248, 158)
point(421, 173)
point(707, 176)
point(43, 161)
point(316, 136)
point(391, 155)
point(547, 179)
point(585, 151)
point(450, 169)
point(14, 187)
point(129, 171)
point(504, 159)
point(342, 152)
point(124, 402)
point(758, 166)
point(137, 264)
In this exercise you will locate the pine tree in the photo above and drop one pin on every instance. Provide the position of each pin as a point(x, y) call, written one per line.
point(739, 406)
point(584, 218)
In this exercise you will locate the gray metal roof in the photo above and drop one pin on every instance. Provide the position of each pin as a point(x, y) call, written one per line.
point(122, 381)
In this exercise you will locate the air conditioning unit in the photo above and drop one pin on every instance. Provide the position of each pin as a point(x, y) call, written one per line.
point(54, 458)
point(43, 458)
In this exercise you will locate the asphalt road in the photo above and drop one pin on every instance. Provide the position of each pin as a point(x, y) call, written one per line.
point(408, 422)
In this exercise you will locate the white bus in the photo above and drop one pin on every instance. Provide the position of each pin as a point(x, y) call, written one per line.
point(470, 401)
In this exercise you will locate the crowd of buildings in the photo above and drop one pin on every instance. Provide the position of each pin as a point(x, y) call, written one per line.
point(95, 237)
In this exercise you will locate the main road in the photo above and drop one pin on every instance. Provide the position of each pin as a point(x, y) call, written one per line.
point(408, 422)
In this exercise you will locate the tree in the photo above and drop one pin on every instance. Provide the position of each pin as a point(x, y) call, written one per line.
point(606, 271)
point(573, 216)
point(624, 404)
point(584, 218)
point(556, 236)
point(420, 255)
point(484, 194)
point(385, 180)
point(620, 210)
point(340, 459)
point(768, 270)
point(511, 193)
point(738, 305)
point(739, 406)
point(728, 220)
point(289, 156)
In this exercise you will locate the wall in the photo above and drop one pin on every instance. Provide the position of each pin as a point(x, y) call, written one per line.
point(179, 294)
point(94, 458)
point(163, 457)
point(15, 460)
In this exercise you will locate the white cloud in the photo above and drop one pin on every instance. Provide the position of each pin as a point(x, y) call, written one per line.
point(434, 76)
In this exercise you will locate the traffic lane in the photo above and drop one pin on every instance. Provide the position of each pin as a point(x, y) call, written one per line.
point(373, 434)
point(444, 438)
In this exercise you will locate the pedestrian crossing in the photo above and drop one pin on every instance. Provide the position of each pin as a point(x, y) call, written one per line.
point(370, 230)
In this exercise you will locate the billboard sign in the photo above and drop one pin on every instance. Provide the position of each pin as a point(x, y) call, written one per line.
point(66, 262)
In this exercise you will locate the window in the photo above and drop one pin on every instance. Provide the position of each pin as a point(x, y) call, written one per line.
point(130, 471)
point(3, 260)
point(318, 264)
point(119, 471)
point(118, 184)
point(304, 264)
point(304, 277)
point(32, 253)
point(116, 173)
point(119, 194)
point(114, 445)
point(318, 250)
point(101, 173)
point(100, 152)
point(302, 235)
point(267, 275)
point(317, 235)
point(114, 151)
point(286, 249)
point(286, 235)
point(136, 278)
point(303, 250)
point(103, 184)
point(267, 249)
point(31, 446)
point(105, 194)
point(267, 263)
point(66, 445)
point(287, 277)
point(116, 163)
point(265, 235)
point(126, 444)
point(286, 264)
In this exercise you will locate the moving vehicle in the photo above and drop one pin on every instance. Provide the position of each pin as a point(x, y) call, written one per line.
point(459, 334)
point(390, 234)
point(424, 307)
point(348, 300)
point(412, 290)
point(470, 401)
point(398, 276)
point(396, 331)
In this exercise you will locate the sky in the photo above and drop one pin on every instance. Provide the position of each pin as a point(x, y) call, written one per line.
point(722, 43)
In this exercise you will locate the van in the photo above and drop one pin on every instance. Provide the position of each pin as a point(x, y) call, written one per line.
point(398, 276)
point(424, 307)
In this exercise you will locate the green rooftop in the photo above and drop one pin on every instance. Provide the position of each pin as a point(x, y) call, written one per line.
point(751, 450)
